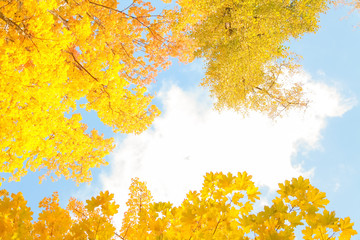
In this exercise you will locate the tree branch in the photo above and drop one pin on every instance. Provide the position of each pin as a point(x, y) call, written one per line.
point(217, 224)
point(135, 18)
point(82, 67)
point(17, 27)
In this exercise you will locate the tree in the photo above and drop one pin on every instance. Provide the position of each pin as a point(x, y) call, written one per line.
point(56, 52)
point(223, 209)
point(136, 217)
point(53, 53)
point(244, 44)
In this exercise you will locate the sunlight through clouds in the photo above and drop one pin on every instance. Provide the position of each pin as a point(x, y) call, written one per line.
point(190, 139)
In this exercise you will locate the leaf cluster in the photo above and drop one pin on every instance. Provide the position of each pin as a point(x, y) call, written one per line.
point(222, 209)
point(53, 53)
point(244, 44)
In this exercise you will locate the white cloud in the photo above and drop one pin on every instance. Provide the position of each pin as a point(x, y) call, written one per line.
point(190, 139)
point(321, 73)
point(337, 186)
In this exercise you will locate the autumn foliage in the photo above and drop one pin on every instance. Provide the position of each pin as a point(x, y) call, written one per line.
point(56, 52)
point(53, 53)
point(244, 44)
point(225, 208)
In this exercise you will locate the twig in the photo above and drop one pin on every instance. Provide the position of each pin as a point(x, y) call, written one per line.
point(82, 67)
point(135, 18)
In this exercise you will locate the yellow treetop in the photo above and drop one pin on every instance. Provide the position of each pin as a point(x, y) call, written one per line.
point(244, 45)
point(222, 209)
point(53, 53)
point(136, 218)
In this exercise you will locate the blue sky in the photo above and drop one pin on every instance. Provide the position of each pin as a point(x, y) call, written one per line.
point(189, 138)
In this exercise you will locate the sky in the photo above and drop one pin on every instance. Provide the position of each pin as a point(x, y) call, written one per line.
point(189, 139)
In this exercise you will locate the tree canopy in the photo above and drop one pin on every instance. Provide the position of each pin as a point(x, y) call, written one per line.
point(53, 53)
point(244, 44)
point(56, 52)
point(225, 208)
